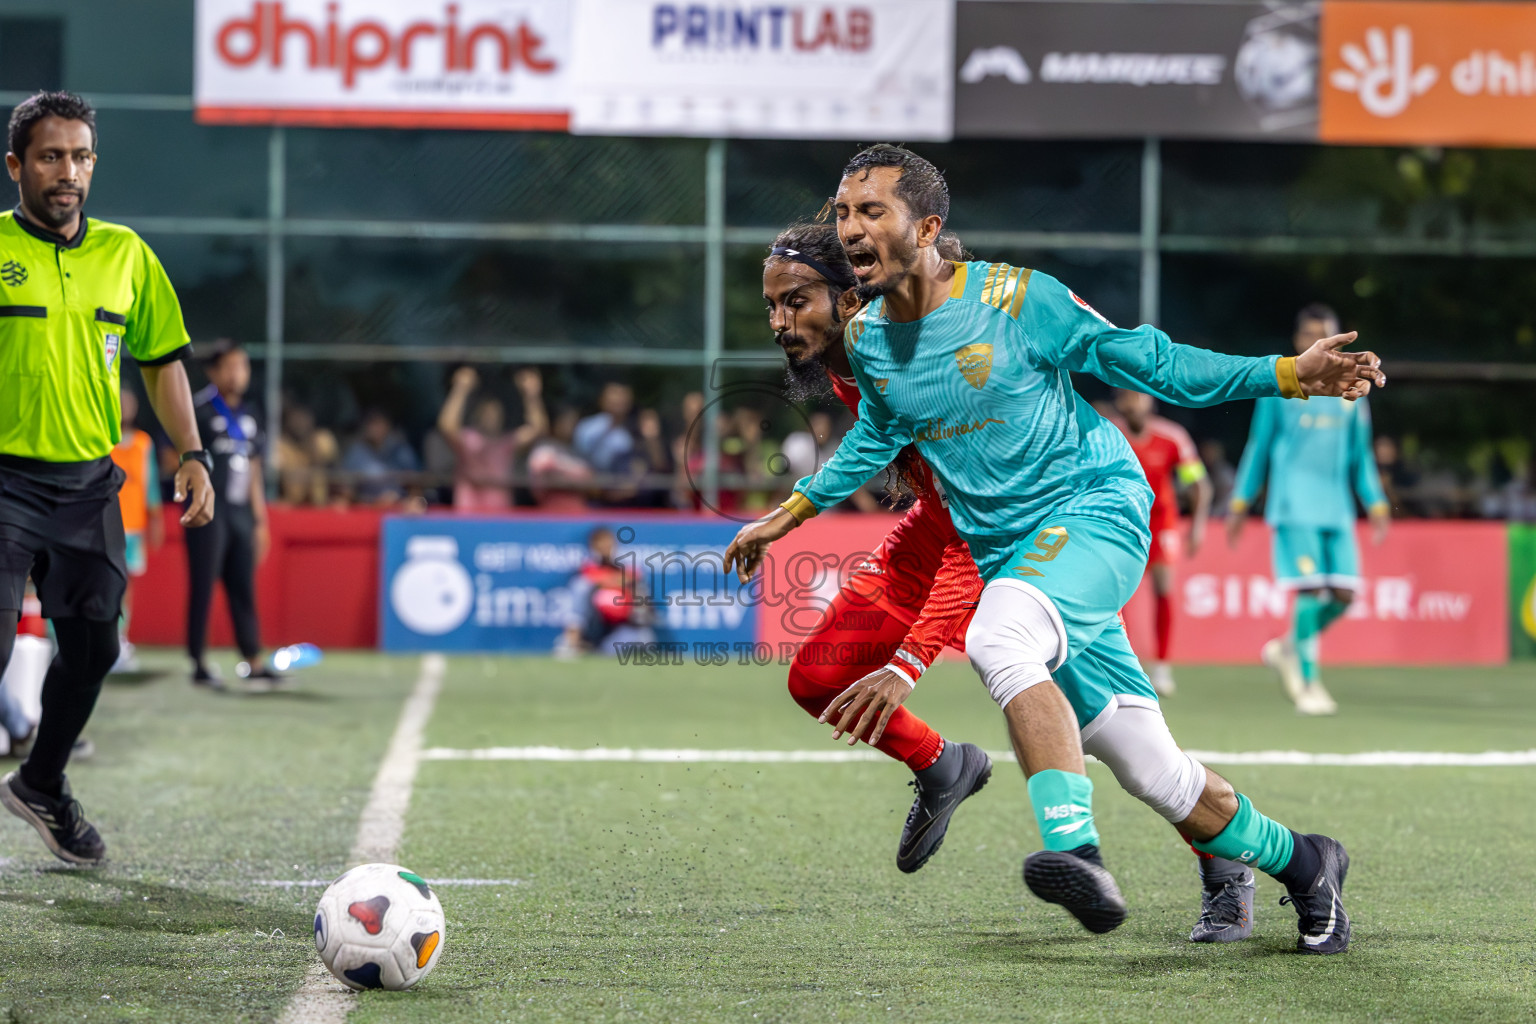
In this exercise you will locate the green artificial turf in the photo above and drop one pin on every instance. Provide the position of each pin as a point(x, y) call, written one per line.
point(757, 891)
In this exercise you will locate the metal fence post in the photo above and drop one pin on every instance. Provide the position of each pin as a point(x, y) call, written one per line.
point(1151, 224)
point(714, 305)
point(277, 185)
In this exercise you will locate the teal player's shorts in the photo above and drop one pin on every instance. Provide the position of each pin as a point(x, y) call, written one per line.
point(1088, 568)
point(137, 559)
point(1311, 557)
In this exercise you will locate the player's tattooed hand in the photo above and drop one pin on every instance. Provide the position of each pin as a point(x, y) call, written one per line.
point(877, 696)
point(1325, 369)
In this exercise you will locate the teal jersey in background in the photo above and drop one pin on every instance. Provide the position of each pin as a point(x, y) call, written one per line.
point(1316, 456)
point(981, 386)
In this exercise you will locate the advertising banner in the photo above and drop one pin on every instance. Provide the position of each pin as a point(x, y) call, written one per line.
point(1104, 70)
point(1434, 593)
point(1437, 592)
point(452, 583)
point(391, 63)
point(874, 68)
point(1429, 73)
point(1522, 590)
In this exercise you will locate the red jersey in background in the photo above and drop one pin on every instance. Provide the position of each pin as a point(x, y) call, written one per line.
point(1168, 457)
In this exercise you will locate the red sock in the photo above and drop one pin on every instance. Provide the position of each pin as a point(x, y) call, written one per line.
point(907, 738)
point(1164, 624)
point(1198, 853)
point(813, 682)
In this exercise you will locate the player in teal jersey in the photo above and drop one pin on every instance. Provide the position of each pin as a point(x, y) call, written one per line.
point(1317, 458)
point(970, 362)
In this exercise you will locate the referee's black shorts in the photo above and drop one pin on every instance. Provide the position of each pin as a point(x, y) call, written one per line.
point(60, 523)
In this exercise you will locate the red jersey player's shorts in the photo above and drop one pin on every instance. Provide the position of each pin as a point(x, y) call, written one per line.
point(898, 576)
point(1167, 546)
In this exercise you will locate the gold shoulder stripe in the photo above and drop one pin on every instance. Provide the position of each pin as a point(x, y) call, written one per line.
point(995, 276)
point(855, 328)
point(957, 287)
point(1005, 288)
point(1015, 301)
point(1018, 293)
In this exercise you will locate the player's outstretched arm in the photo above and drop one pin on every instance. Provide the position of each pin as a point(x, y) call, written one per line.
point(1066, 332)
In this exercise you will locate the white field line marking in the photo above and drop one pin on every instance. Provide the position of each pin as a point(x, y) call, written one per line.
point(322, 999)
point(1403, 758)
point(321, 883)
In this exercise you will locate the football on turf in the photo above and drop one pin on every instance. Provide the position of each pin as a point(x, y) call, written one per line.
point(379, 926)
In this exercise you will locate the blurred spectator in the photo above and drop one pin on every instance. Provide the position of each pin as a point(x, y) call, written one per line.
point(754, 450)
point(805, 450)
point(558, 477)
point(1221, 472)
point(139, 499)
point(485, 451)
point(603, 439)
point(606, 608)
point(651, 463)
point(1516, 500)
point(1398, 478)
point(377, 461)
point(440, 464)
point(689, 436)
point(305, 453)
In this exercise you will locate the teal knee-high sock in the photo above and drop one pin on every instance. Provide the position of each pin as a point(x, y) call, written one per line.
point(1306, 625)
point(1331, 612)
point(1064, 809)
point(1252, 838)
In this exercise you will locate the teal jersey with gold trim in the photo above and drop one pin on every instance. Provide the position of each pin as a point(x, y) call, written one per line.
point(1316, 456)
point(981, 385)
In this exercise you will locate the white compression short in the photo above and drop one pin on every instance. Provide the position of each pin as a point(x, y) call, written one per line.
point(1136, 745)
point(1015, 638)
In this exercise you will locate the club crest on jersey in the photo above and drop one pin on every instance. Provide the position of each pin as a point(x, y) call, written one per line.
point(1078, 299)
point(881, 384)
point(975, 363)
point(110, 346)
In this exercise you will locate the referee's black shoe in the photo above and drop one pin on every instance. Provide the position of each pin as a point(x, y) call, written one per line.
point(59, 820)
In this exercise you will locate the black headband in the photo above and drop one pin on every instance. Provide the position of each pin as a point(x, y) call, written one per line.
point(841, 280)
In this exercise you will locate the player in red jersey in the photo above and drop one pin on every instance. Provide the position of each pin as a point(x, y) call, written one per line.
point(1171, 462)
point(1169, 459)
point(910, 598)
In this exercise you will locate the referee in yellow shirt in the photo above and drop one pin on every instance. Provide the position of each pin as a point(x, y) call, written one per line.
point(74, 293)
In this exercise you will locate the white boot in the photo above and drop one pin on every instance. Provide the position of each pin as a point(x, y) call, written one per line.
point(1279, 655)
point(1162, 679)
point(1315, 700)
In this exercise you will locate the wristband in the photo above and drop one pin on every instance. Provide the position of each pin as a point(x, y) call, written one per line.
point(908, 666)
point(201, 455)
point(799, 506)
point(1286, 379)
